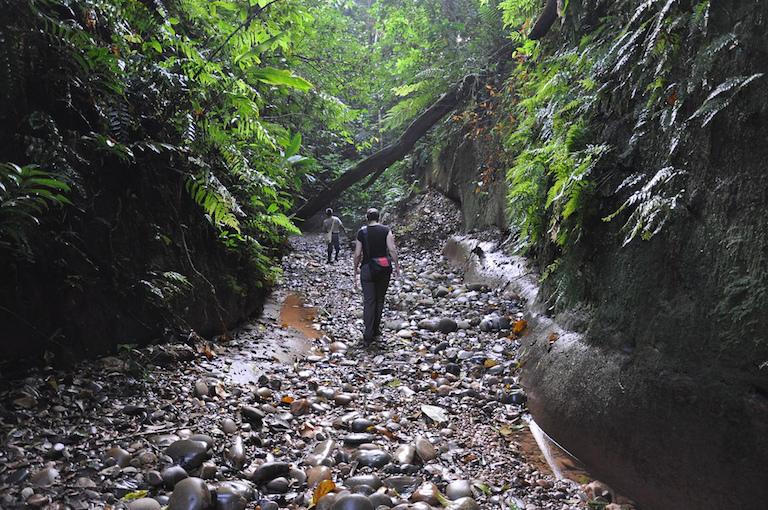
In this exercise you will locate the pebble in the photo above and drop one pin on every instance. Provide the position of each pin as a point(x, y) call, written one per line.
point(229, 426)
point(144, 504)
point(373, 458)
point(269, 471)
point(44, 477)
point(458, 489)
point(173, 475)
point(190, 494)
point(188, 453)
point(352, 502)
point(425, 449)
point(372, 481)
point(317, 474)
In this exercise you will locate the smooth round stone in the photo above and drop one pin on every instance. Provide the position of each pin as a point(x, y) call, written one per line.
point(425, 449)
point(371, 481)
point(236, 453)
point(404, 454)
point(242, 487)
point(352, 502)
point(360, 425)
point(300, 407)
point(427, 493)
point(317, 474)
point(379, 499)
point(208, 470)
point(37, 501)
point(173, 475)
point(447, 325)
point(229, 499)
point(458, 489)
point(298, 475)
point(405, 334)
point(440, 291)
point(190, 494)
point(343, 399)
point(338, 347)
point(321, 452)
point(147, 458)
point(229, 426)
point(268, 505)
point(373, 458)
point(358, 438)
point(464, 324)
point(253, 415)
point(453, 369)
point(203, 438)
point(463, 504)
point(187, 453)
point(325, 502)
point(269, 471)
point(201, 388)
point(144, 504)
point(121, 457)
point(154, 478)
point(428, 324)
point(278, 485)
point(86, 482)
point(17, 476)
point(44, 477)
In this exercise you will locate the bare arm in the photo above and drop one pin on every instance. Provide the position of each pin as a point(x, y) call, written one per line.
point(358, 257)
point(393, 252)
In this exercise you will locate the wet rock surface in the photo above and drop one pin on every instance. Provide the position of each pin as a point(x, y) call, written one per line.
point(268, 419)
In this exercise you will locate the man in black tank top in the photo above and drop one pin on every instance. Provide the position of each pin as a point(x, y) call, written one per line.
point(374, 240)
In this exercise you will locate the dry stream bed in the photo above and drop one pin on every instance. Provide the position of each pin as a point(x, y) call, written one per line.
point(288, 412)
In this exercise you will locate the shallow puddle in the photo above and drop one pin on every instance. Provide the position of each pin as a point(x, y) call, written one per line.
point(295, 314)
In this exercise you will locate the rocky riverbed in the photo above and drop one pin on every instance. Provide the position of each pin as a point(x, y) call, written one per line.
point(268, 417)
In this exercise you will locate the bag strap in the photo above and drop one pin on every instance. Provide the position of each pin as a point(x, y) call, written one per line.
point(365, 241)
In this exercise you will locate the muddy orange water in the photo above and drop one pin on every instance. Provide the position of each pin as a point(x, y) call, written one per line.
point(294, 313)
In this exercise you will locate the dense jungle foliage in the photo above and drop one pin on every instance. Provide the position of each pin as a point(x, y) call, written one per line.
point(154, 149)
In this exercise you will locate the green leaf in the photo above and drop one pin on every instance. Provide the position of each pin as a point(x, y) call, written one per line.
point(257, 50)
point(273, 76)
point(294, 146)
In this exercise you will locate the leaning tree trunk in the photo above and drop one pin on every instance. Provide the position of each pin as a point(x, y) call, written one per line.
point(385, 157)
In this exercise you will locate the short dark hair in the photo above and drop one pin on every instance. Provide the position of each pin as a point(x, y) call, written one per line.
point(329, 212)
point(372, 214)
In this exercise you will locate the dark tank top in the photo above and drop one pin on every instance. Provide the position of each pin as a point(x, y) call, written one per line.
point(377, 242)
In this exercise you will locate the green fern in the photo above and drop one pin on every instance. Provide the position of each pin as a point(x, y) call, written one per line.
point(25, 193)
point(721, 97)
point(215, 199)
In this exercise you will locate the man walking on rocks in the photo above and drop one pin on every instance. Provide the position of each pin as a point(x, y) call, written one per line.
point(332, 226)
point(375, 260)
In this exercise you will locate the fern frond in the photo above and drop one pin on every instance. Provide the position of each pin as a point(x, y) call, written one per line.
point(215, 199)
point(405, 110)
point(721, 97)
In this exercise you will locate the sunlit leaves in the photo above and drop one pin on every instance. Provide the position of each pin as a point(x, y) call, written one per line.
point(279, 77)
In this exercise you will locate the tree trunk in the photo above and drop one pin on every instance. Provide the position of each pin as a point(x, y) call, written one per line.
point(384, 158)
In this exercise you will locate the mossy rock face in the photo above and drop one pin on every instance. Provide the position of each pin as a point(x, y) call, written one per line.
point(143, 276)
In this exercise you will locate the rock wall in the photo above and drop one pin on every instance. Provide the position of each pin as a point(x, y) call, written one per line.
point(126, 268)
point(669, 432)
point(658, 377)
point(455, 172)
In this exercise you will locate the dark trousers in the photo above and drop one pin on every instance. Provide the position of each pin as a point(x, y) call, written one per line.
point(374, 292)
point(334, 244)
